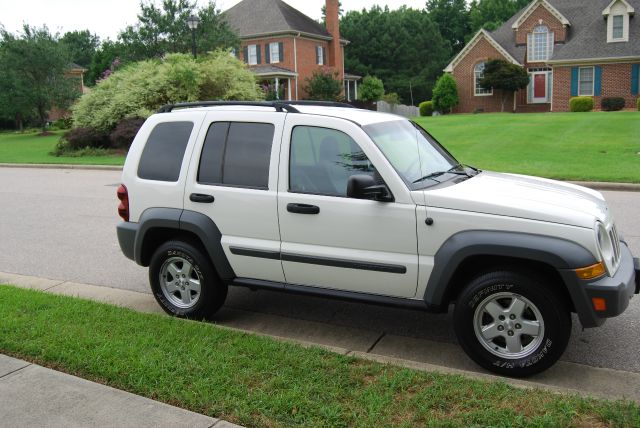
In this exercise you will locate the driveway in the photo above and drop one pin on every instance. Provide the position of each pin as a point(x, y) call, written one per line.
point(61, 224)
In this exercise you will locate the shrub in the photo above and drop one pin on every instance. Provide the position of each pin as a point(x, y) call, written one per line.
point(638, 104)
point(62, 123)
point(143, 87)
point(581, 104)
point(391, 98)
point(613, 104)
point(125, 132)
point(426, 108)
point(445, 94)
point(371, 89)
point(80, 138)
point(323, 85)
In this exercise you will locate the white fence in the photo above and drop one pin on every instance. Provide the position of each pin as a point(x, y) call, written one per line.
point(399, 109)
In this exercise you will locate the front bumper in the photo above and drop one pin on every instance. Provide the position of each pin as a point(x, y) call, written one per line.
point(616, 291)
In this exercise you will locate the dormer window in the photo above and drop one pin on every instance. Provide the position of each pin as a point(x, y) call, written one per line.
point(617, 15)
point(540, 44)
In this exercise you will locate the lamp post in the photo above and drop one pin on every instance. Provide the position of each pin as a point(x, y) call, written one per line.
point(193, 22)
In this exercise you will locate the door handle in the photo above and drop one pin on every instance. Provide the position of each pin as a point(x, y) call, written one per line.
point(303, 209)
point(200, 198)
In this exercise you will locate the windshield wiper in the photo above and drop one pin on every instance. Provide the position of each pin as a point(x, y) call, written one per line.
point(452, 170)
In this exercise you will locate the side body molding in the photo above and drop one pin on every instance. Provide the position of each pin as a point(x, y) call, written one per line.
point(558, 253)
point(190, 221)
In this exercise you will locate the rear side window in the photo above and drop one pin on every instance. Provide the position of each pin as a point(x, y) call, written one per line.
point(162, 156)
point(237, 154)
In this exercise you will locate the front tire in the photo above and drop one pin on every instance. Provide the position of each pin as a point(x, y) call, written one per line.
point(184, 282)
point(512, 324)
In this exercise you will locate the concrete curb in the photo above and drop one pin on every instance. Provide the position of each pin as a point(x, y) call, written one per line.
point(62, 166)
point(599, 185)
point(564, 377)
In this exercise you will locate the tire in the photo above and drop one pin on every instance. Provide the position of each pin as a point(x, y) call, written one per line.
point(198, 294)
point(512, 323)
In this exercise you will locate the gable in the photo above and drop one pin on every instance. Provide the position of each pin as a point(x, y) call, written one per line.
point(481, 37)
point(533, 6)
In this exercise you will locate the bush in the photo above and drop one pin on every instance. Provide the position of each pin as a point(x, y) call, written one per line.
point(613, 104)
point(371, 89)
point(391, 98)
point(63, 123)
point(445, 94)
point(426, 108)
point(125, 132)
point(141, 88)
point(638, 104)
point(80, 138)
point(323, 85)
point(581, 104)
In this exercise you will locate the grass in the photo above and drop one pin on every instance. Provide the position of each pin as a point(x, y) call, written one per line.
point(567, 146)
point(258, 381)
point(33, 148)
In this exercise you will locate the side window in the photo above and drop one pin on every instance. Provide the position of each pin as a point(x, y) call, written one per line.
point(237, 154)
point(162, 155)
point(322, 160)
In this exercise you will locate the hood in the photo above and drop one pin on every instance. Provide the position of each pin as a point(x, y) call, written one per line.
point(524, 197)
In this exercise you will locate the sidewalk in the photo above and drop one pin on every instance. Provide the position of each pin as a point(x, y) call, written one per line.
point(31, 395)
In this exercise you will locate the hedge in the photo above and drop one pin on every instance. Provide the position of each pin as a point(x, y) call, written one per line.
point(581, 104)
point(426, 108)
point(613, 103)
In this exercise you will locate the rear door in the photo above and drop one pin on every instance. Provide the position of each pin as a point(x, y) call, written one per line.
point(233, 180)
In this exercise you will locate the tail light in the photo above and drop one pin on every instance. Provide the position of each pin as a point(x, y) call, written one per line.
point(123, 208)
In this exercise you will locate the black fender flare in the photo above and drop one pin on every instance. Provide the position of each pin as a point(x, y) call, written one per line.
point(558, 253)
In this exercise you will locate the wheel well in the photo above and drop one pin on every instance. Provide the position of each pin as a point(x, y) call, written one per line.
point(476, 265)
point(159, 235)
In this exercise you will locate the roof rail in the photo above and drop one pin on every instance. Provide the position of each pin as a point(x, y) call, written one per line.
point(280, 106)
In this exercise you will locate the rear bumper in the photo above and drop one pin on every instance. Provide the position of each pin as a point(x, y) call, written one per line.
point(616, 291)
point(127, 238)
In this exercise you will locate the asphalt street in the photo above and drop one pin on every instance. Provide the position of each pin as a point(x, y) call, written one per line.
point(61, 224)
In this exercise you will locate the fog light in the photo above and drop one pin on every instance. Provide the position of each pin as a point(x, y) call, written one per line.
point(599, 304)
point(591, 272)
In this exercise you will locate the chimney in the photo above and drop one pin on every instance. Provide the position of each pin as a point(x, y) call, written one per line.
point(333, 27)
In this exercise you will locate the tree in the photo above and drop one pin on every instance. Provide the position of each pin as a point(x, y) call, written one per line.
point(103, 60)
point(403, 47)
point(34, 66)
point(163, 29)
point(490, 14)
point(371, 89)
point(323, 85)
point(445, 94)
point(82, 46)
point(452, 18)
point(504, 76)
point(139, 89)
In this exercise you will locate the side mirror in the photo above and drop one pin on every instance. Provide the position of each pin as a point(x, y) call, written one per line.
point(365, 187)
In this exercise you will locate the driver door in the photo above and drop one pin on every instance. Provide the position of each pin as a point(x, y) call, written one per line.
point(328, 239)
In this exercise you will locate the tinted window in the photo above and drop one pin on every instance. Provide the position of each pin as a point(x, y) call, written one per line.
point(162, 155)
point(322, 160)
point(237, 154)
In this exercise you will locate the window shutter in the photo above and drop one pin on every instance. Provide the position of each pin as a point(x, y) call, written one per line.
point(635, 79)
point(597, 83)
point(529, 47)
point(574, 81)
point(267, 53)
point(281, 51)
point(258, 54)
point(245, 53)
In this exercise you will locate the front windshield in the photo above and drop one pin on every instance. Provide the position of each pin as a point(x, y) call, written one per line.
point(412, 152)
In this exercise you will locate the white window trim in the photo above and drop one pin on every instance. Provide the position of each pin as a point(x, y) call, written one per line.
point(613, 27)
point(320, 55)
point(253, 48)
point(531, 44)
point(475, 85)
point(618, 8)
point(277, 49)
point(593, 82)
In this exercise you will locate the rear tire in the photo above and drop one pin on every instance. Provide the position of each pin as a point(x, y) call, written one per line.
point(511, 323)
point(184, 282)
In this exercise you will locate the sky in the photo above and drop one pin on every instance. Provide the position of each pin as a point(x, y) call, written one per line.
point(107, 17)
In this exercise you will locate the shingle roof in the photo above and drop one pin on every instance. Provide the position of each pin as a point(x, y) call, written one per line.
point(587, 35)
point(260, 17)
point(271, 70)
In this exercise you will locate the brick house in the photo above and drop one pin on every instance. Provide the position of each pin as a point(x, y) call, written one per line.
point(568, 47)
point(76, 73)
point(283, 46)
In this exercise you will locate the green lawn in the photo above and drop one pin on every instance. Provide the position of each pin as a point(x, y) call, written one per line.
point(32, 148)
point(258, 381)
point(570, 146)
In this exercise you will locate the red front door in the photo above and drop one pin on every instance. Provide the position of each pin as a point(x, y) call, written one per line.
point(540, 86)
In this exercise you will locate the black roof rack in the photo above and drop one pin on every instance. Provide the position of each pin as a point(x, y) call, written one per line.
point(280, 106)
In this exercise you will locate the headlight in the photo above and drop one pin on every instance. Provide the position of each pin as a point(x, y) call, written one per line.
point(605, 247)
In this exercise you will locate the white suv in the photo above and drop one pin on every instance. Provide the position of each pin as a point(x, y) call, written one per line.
point(323, 199)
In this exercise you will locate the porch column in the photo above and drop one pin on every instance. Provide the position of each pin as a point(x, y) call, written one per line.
point(355, 95)
point(289, 88)
point(277, 88)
